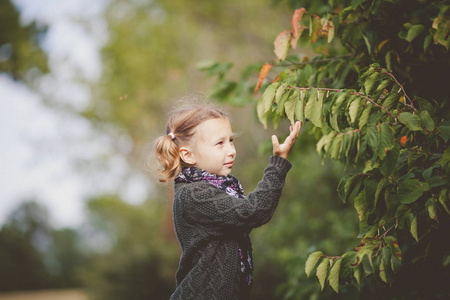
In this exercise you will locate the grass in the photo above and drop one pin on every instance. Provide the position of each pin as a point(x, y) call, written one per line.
point(45, 295)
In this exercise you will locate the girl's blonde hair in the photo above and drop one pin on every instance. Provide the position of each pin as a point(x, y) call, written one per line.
point(181, 124)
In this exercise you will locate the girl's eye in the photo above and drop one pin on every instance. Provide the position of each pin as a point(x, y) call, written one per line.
point(231, 140)
point(219, 143)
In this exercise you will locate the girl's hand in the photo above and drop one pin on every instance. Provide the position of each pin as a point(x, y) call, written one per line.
point(284, 149)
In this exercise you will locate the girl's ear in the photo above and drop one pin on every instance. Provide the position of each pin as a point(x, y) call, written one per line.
point(186, 155)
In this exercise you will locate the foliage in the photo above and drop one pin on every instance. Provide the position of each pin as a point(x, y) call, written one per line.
point(35, 256)
point(404, 183)
point(377, 101)
point(135, 257)
point(19, 50)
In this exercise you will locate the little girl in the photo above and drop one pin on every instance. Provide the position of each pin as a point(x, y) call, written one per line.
point(212, 215)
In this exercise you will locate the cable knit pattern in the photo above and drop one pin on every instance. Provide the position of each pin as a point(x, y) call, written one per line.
point(210, 226)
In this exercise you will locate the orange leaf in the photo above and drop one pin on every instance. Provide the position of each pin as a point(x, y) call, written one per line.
point(265, 69)
point(328, 30)
point(297, 28)
point(403, 141)
point(315, 25)
point(276, 79)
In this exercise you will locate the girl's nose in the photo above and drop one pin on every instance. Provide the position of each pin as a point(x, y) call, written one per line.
point(232, 151)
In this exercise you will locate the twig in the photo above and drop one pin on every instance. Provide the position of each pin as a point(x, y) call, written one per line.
point(312, 62)
point(352, 93)
point(401, 87)
point(384, 234)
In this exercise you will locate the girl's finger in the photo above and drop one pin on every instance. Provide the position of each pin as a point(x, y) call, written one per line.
point(275, 143)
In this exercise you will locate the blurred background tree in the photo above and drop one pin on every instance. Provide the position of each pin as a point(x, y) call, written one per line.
point(20, 52)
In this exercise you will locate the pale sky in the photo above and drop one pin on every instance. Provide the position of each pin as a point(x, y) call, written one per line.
point(52, 154)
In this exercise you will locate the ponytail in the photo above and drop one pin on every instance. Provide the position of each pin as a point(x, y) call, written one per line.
point(169, 158)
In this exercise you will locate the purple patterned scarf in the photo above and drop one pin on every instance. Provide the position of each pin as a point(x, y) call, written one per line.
point(229, 183)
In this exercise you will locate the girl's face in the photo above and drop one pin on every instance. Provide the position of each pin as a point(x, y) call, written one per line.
point(213, 149)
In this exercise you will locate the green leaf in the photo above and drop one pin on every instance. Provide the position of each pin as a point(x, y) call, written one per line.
point(385, 265)
point(388, 59)
point(380, 187)
point(365, 115)
point(427, 42)
point(351, 187)
point(424, 105)
point(276, 120)
point(348, 259)
point(360, 204)
point(354, 108)
point(386, 140)
point(336, 110)
point(413, 229)
point(324, 143)
point(380, 89)
point(414, 31)
point(372, 136)
point(370, 82)
point(357, 274)
point(313, 108)
point(432, 209)
point(402, 214)
point(312, 261)
point(436, 181)
point(410, 190)
point(322, 271)
point(442, 200)
point(262, 116)
point(268, 96)
point(427, 121)
point(382, 270)
point(333, 277)
point(392, 243)
point(289, 107)
point(281, 90)
point(368, 45)
point(445, 158)
point(391, 100)
point(299, 113)
point(444, 132)
point(411, 121)
point(330, 30)
point(281, 102)
point(389, 162)
point(335, 147)
point(347, 185)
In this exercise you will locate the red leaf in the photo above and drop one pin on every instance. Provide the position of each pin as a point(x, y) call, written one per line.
point(403, 141)
point(265, 69)
point(315, 25)
point(281, 44)
point(297, 28)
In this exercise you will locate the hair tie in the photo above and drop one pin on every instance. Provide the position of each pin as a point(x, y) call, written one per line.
point(172, 136)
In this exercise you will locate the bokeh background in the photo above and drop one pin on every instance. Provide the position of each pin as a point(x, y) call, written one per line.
point(85, 86)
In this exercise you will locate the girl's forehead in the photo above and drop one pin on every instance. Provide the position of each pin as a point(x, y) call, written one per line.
point(213, 128)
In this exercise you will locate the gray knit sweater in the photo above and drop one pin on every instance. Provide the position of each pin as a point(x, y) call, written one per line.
point(210, 225)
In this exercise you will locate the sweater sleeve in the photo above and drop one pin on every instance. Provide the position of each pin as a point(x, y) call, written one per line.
point(205, 204)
